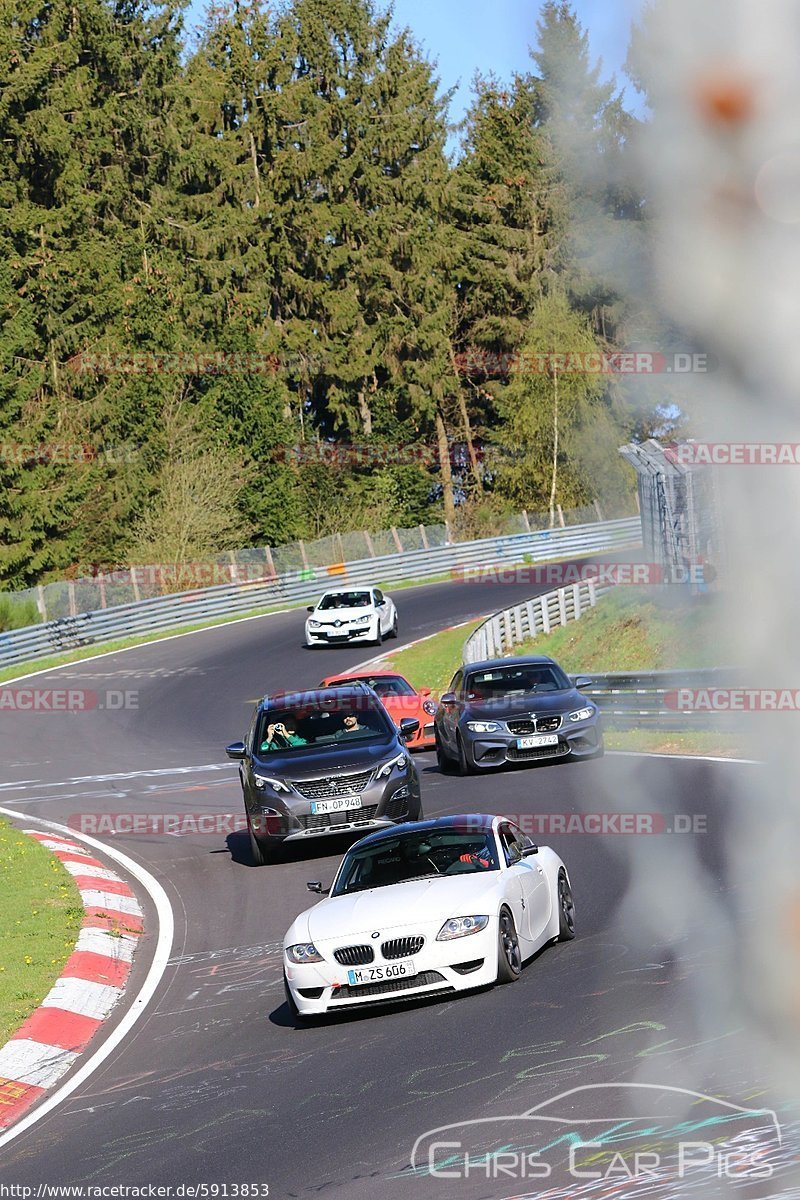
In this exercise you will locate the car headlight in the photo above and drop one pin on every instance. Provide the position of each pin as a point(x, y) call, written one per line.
point(484, 726)
point(315, 624)
point(277, 785)
point(387, 768)
point(429, 707)
point(305, 952)
point(458, 927)
point(361, 620)
point(582, 714)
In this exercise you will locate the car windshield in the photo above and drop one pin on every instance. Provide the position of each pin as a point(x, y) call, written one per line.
point(345, 600)
point(515, 681)
point(310, 727)
point(424, 854)
point(383, 685)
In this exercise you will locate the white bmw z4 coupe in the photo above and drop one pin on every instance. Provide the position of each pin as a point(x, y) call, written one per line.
point(430, 908)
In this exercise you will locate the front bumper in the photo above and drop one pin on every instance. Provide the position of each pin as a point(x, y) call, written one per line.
point(331, 636)
point(486, 750)
point(442, 968)
point(289, 819)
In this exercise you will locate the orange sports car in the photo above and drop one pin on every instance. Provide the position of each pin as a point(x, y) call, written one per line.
point(399, 699)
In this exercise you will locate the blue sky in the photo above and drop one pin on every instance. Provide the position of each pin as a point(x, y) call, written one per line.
point(466, 36)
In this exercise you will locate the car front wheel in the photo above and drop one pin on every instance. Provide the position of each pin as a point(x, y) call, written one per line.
point(443, 762)
point(259, 857)
point(509, 956)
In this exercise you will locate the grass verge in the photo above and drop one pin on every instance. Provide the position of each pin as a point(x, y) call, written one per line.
point(40, 916)
point(629, 630)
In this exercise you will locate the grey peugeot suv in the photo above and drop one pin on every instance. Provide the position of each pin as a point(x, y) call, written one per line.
point(328, 761)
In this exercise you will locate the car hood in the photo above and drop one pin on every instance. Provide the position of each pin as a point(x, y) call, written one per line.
point(517, 706)
point(420, 902)
point(340, 614)
point(331, 760)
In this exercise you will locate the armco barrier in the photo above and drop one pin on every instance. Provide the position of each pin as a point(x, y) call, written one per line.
point(627, 699)
point(186, 608)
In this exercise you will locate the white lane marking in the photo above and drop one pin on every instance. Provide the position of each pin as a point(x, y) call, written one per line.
point(100, 941)
point(750, 762)
point(87, 870)
point(62, 846)
point(83, 996)
point(166, 929)
point(35, 1063)
point(112, 902)
point(148, 773)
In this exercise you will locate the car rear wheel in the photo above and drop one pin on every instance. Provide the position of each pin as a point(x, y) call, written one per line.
point(509, 955)
point(566, 909)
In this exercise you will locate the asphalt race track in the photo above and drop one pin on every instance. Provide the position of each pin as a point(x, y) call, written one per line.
point(215, 1084)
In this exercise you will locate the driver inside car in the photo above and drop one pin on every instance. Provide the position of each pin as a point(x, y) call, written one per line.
point(480, 857)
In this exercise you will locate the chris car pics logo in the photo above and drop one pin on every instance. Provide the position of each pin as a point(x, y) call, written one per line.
point(610, 1134)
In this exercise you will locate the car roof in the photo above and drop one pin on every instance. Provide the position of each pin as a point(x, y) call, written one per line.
point(322, 695)
point(528, 660)
point(479, 823)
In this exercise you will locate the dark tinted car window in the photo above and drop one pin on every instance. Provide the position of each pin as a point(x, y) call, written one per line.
point(345, 600)
point(516, 681)
point(309, 727)
point(419, 855)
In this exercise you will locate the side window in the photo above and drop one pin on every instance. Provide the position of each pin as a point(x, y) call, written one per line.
point(455, 682)
point(378, 595)
point(511, 847)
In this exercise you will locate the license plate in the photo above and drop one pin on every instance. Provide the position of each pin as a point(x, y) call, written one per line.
point(544, 739)
point(397, 970)
point(340, 804)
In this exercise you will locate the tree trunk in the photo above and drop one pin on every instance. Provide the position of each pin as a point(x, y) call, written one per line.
point(462, 404)
point(555, 452)
point(445, 470)
point(365, 413)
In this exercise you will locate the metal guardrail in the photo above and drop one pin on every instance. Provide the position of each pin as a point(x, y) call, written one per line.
point(186, 608)
point(627, 699)
point(650, 699)
point(512, 626)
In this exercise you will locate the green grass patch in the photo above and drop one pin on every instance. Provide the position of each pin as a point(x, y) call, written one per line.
point(701, 741)
point(633, 629)
point(40, 918)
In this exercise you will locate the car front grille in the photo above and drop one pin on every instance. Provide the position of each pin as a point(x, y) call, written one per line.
point(387, 986)
point(526, 726)
point(332, 786)
point(355, 816)
point(354, 956)
point(515, 755)
point(402, 947)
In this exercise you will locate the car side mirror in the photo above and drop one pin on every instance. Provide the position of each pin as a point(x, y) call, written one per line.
point(310, 608)
point(449, 698)
point(528, 850)
point(582, 681)
point(408, 726)
point(380, 603)
point(236, 750)
point(316, 887)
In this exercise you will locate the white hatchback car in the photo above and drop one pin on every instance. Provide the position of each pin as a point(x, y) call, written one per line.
point(351, 615)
